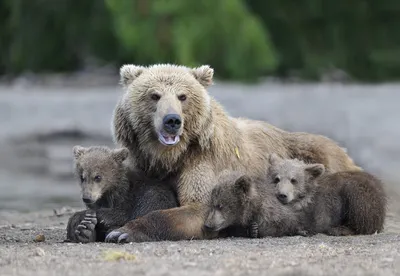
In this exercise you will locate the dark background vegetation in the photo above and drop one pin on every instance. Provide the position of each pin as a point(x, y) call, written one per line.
point(241, 39)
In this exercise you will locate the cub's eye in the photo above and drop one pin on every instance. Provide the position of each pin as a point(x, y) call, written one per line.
point(155, 97)
point(277, 179)
point(82, 178)
point(293, 181)
point(182, 98)
point(97, 178)
point(219, 207)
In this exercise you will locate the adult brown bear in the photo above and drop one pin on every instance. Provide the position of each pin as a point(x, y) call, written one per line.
point(172, 126)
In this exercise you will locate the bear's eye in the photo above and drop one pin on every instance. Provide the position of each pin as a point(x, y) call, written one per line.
point(97, 178)
point(277, 179)
point(155, 97)
point(182, 98)
point(219, 207)
point(293, 181)
point(82, 178)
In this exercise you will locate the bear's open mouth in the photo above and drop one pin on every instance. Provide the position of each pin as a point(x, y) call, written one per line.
point(168, 139)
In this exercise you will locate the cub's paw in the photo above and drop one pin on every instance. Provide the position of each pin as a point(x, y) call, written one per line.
point(85, 232)
point(253, 231)
point(305, 233)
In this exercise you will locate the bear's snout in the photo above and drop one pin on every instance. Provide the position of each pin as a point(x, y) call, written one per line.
point(172, 123)
point(283, 198)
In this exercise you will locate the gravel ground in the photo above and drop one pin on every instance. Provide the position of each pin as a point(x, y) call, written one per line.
point(320, 255)
point(40, 124)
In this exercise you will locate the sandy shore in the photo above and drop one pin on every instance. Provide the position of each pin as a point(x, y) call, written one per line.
point(320, 255)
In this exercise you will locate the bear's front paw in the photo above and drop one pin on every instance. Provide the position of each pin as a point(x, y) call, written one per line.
point(120, 235)
point(85, 232)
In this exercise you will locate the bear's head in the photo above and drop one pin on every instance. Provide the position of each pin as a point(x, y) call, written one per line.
point(230, 201)
point(168, 105)
point(292, 179)
point(99, 170)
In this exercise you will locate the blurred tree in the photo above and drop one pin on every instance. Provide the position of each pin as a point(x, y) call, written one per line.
point(358, 36)
point(221, 33)
point(241, 39)
point(47, 35)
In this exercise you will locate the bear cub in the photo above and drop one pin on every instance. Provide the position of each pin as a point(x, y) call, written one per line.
point(341, 203)
point(238, 201)
point(113, 193)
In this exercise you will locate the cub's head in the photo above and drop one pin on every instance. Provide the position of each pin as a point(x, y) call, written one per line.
point(99, 169)
point(228, 202)
point(292, 178)
point(168, 105)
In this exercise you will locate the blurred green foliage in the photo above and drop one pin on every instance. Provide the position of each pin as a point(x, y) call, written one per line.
point(221, 33)
point(241, 39)
point(359, 36)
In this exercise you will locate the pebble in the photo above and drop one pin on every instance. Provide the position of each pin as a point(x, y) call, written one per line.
point(39, 252)
point(40, 238)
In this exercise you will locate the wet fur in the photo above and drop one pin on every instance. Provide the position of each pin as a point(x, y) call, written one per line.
point(209, 143)
point(128, 196)
point(341, 203)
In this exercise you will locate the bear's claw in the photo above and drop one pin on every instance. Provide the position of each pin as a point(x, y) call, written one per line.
point(113, 236)
point(123, 238)
point(117, 237)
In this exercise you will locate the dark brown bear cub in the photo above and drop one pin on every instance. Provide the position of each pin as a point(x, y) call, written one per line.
point(238, 201)
point(341, 203)
point(112, 193)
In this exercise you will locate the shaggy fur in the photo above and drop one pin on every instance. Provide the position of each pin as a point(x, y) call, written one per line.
point(341, 203)
point(118, 194)
point(209, 142)
point(238, 200)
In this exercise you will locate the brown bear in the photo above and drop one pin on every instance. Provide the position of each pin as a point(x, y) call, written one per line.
point(172, 126)
point(251, 204)
point(341, 203)
point(113, 193)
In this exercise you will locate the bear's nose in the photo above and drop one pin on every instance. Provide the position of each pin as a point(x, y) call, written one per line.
point(172, 122)
point(87, 200)
point(282, 197)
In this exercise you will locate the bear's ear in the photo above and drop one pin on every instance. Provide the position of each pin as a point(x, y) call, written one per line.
point(120, 155)
point(204, 74)
point(78, 151)
point(243, 185)
point(128, 73)
point(274, 159)
point(315, 170)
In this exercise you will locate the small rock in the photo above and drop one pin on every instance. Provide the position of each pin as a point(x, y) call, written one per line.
point(113, 255)
point(40, 238)
point(39, 252)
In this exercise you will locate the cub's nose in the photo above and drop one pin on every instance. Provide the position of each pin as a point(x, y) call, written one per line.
point(208, 227)
point(282, 197)
point(172, 122)
point(87, 200)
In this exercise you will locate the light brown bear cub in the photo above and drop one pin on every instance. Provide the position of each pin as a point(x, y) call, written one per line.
point(113, 193)
point(341, 203)
point(240, 201)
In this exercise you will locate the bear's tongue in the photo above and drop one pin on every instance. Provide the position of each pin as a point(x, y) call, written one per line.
point(169, 139)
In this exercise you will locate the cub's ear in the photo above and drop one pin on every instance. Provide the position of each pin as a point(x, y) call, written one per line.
point(315, 170)
point(129, 72)
point(78, 151)
point(120, 155)
point(274, 159)
point(204, 74)
point(243, 185)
